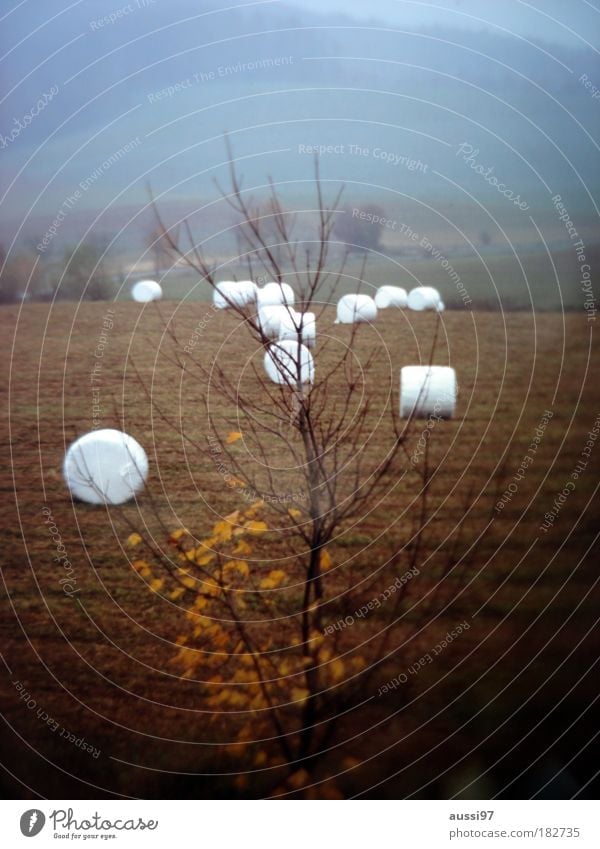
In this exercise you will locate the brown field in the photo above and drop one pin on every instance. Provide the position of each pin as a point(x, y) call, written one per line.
point(507, 709)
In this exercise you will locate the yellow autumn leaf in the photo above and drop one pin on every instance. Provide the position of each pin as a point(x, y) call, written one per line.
point(244, 675)
point(236, 482)
point(294, 512)
point(337, 670)
point(316, 638)
point(237, 699)
point(205, 559)
point(175, 535)
point(267, 584)
point(239, 566)
point(273, 579)
point(176, 594)
point(298, 779)
point(189, 658)
point(242, 549)
point(285, 668)
point(325, 560)
point(251, 512)
point(277, 575)
point(223, 531)
point(133, 540)
point(156, 585)
point(300, 694)
point(256, 527)
point(233, 437)
point(199, 604)
point(188, 582)
point(210, 587)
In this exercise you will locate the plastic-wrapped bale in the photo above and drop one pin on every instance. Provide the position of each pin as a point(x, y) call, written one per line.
point(146, 290)
point(285, 364)
point(352, 309)
point(105, 467)
point(290, 324)
point(423, 298)
point(234, 293)
point(391, 296)
point(273, 294)
point(250, 288)
point(270, 319)
point(441, 306)
point(427, 391)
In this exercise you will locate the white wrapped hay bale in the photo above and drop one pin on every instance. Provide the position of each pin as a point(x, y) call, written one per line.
point(270, 319)
point(250, 289)
point(352, 309)
point(234, 293)
point(287, 362)
point(423, 298)
point(391, 296)
point(146, 290)
point(295, 324)
point(427, 391)
point(273, 294)
point(105, 467)
point(441, 306)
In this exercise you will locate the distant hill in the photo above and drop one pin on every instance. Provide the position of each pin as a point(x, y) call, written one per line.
point(174, 76)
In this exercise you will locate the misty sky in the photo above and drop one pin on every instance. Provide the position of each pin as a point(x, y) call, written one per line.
point(532, 115)
point(570, 22)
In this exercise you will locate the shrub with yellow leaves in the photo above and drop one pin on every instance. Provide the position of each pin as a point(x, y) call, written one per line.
point(261, 665)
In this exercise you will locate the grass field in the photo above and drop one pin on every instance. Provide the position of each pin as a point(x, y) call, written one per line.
point(504, 710)
point(494, 280)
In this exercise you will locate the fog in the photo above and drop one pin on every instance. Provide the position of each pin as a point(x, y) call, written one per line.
point(462, 121)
